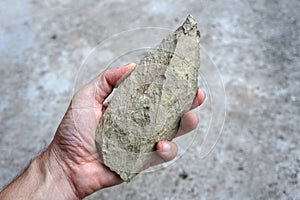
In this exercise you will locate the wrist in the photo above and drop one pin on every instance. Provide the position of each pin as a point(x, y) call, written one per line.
point(43, 179)
point(55, 181)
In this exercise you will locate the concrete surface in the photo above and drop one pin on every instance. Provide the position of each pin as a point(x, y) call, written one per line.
point(254, 44)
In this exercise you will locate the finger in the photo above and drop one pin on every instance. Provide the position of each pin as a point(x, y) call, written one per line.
point(166, 150)
point(109, 79)
point(188, 123)
point(199, 99)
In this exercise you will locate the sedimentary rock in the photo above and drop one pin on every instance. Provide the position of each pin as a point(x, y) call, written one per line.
point(148, 105)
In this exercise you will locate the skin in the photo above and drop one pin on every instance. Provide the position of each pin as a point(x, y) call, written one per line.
point(70, 168)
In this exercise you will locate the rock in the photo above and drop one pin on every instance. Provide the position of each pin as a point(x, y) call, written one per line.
point(148, 105)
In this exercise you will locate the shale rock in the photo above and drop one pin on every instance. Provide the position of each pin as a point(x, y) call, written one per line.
point(148, 105)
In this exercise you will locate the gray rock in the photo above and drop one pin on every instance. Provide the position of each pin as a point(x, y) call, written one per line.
point(148, 105)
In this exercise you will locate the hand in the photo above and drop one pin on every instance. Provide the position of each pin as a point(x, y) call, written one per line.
point(74, 142)
point(72, 157)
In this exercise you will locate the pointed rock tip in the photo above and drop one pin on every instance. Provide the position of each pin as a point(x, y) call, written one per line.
point(189, 24)
point(190, 19)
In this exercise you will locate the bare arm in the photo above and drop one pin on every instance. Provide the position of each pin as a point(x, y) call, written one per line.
point(70, 167)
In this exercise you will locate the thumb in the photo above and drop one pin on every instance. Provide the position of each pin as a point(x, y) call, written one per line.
point(109, 79)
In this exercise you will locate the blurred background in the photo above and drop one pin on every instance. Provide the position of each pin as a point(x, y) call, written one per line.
point(254, 44)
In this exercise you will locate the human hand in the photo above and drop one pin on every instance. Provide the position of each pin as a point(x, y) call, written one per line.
point(70, 167)
point(74, 143)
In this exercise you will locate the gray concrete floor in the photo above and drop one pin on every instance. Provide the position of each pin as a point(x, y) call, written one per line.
point(254, 44)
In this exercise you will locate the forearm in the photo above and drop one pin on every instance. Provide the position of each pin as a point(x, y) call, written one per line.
point(43, 179)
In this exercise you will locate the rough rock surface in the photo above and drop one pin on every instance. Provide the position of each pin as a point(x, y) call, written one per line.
point(148, 105)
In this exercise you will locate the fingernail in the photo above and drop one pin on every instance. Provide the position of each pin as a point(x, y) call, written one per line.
point(132, 65)
point(166, 147)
